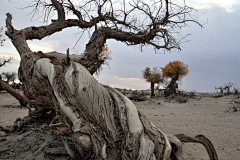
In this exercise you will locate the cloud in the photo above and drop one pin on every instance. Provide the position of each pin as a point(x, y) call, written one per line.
point(44, 46)
point(212, 54)
point(127, 83)
point(6, 55)
point(228, 5)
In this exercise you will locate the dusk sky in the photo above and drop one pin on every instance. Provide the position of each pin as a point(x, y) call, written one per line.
point(212, 53)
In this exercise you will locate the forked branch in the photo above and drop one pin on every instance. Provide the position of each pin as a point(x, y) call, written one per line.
point(157, 26)
point(4, 61)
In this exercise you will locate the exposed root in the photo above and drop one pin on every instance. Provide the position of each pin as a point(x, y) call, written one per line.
point(158, 137)
point(4, 149)
point(52, 124)
point(20, 122)
point(56, 125)
point(36, 143)
point(70, 152)
point(203, 140)
point(17, 124)
point(176, 144)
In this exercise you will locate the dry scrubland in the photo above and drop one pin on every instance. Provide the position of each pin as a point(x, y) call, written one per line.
point(204, 114)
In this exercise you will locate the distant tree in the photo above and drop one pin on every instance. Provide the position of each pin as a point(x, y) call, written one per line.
point(10, 77)
point(236, 90)
point(3, 60)
point(228, 87)
point(174, 70)
point(153, 76)
point(225, 89)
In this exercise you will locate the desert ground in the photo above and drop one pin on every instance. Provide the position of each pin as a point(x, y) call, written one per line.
point(207, 115)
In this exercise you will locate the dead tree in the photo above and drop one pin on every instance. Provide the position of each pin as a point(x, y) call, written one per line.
point(225, 89)
point(221, 90)
point(103, 123)
point(4, 60)
point(20, 97)
point(9, 77)
point(4, 85)
point(236, 90)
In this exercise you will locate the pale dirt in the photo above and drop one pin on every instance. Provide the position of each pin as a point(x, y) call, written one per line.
point(9, 109)
point(207, 116)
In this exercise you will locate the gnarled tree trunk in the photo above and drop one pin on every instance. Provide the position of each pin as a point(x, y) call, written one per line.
point(171, 88)
point(152, 90)
point(103, 123)
point(102, 120)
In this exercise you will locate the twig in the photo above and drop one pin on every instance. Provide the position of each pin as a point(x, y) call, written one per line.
point(70, 152)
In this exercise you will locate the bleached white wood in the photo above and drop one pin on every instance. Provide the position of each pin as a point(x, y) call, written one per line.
point(146, 148)
point(69, 78)
point(47, 69)
point(96, 101)
point(178, 143)
point(85, 141)
point(168, 147)
point(104, 153)
point(134, 123)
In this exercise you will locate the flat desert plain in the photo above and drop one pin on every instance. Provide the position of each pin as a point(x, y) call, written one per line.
point(212, 117)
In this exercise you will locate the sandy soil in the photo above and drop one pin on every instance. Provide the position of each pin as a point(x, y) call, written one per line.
point(9, 109)
point(206, 116)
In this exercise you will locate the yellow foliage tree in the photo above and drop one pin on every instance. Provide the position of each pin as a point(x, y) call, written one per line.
point(174, 70)
point(153, 76)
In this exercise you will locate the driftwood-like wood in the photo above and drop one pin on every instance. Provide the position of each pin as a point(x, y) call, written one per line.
point(21, 98)
point(102, 123)
point(202, 140)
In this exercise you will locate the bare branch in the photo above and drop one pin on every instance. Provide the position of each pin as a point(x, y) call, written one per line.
point(158, 24)
point(10, 29)
point(3, 60)
point(21, 98)
point(203, 140)
point(60, 10)
point(71, 7)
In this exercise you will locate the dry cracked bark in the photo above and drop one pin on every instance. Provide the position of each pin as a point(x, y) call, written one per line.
point(102, 123)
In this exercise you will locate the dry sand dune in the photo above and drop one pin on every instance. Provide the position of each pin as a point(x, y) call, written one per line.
point(207, 116)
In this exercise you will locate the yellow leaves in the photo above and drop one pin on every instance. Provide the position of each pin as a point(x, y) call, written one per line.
point(153, 76)
point(105, 53)
point(175, 69)
point(146, 73)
